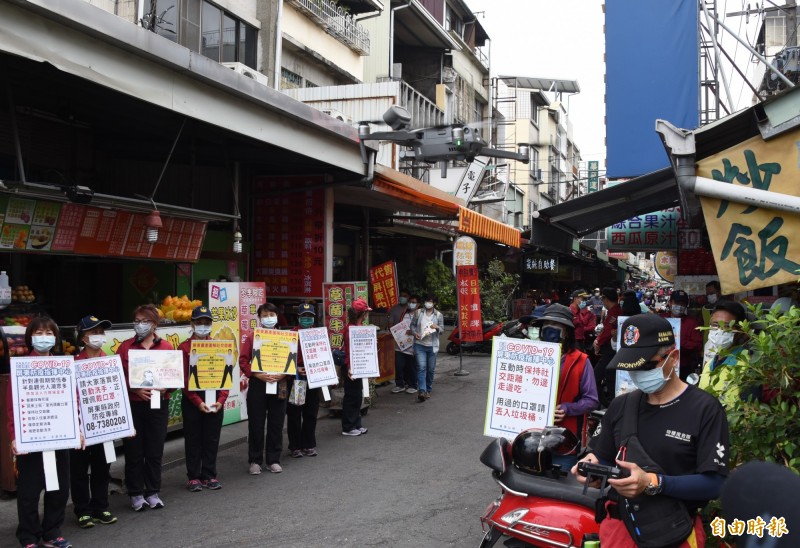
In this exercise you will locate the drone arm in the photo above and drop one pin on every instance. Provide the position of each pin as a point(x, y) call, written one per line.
point(507, 154)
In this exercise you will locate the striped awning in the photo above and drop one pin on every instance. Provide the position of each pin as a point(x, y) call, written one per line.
point(473, 223)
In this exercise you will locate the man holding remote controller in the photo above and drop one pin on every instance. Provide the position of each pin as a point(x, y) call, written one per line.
point(671, 437)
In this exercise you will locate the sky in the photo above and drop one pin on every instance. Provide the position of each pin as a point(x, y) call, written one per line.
point(563, 39)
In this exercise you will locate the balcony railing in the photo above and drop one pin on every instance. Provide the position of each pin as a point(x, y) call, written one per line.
point(424, 112)
point(335, 22)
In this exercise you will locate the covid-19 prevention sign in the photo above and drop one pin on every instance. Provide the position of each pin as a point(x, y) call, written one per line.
point(523, 386)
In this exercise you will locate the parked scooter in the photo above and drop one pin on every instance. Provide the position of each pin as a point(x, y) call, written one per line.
point(490, 330)
point(540, 504)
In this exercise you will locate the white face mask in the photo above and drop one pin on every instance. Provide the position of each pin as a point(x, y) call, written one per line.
point(712, 299)
point(412, 306)
point(96, 341)
point(143, 329)
point(43, 343)
point(720, 339)
point(202, 330)
point(269, 322)
point(428, 305)
point(677, 310)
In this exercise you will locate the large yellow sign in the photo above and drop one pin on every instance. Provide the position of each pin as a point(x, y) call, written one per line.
point(753, 246)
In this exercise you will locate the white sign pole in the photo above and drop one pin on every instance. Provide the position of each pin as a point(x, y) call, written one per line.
point(50, 470)
point(272, 388)
point(326, 393)
point(211, 398)
point(365, 387)
point(155, 399)
point(111, 454)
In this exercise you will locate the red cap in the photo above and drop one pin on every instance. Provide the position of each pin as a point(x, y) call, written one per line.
point(360, 305)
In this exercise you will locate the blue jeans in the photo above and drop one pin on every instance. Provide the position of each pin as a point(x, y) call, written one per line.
point(426, 366)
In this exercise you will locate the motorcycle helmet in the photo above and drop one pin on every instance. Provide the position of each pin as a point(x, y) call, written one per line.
point(532, 450)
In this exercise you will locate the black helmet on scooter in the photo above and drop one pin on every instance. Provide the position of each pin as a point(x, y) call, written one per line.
point(532, 450)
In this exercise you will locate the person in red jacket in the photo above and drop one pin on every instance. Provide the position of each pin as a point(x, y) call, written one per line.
point(691, 339)
point(144, 451)
point(582, 318)
point(604, 345)
point(90, 491)
point(202, 424)
point(577, 391)
point(353, 388)
point(40, 338)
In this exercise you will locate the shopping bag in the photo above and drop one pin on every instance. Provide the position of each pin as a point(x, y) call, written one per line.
point(298, 394)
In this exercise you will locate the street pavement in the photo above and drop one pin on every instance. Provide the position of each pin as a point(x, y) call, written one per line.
point(413, 480)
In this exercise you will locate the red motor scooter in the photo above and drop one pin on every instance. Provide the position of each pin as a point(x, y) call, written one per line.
point(490, 330)
point(542, 506)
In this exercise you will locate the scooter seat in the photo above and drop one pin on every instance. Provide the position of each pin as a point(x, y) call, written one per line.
point(566, 489)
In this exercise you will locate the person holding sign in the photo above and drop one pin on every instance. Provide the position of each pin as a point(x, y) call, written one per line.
point(40, 338)
point(301, 420)
point(426, 326)
point(90, 492)
point(405, 365)
point(353, 388)
point(202, 423)
point(577, 391)
point(263, 408)
point(143, 452)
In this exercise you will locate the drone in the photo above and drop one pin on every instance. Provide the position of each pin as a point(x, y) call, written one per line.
point(438, 144)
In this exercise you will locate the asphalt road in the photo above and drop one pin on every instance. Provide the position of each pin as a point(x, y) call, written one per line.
point(413, 480)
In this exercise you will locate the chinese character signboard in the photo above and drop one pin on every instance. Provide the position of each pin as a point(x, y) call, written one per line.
point(754, 246)
point(289, 245)
point(317, 357)
point(44, 402)
point(211, 365)
point(666, 265)
point(337, 298)
point(523, 386)
point(103, 397)
point(594, 179)
point(651, 232)
point(540, 263)
point(469, 304)
point(465, 251)
point(384, 285)
point(162, 369)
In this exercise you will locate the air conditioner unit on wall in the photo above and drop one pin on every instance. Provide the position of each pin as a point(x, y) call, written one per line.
point(341, 116)
point(251, 73)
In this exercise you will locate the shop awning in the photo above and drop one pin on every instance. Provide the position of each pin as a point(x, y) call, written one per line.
point(80, 39)
point(646, 194)
point(475, 224)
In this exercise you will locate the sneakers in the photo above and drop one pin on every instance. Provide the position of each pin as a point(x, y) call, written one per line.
point(296, 454)
point(363, 430)
point(398, 389)
point(275, 468)
point(255, 469)
point(59, 542)
point(155, 502)
point(137, 503)
point(411, 390)
point(194, 486)
point(421, 396)
point(310, 452)
point(212, 484)
point(353, 432)
point(105, 517)
point(85, 521)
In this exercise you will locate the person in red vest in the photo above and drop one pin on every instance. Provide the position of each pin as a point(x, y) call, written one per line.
point(577, 391)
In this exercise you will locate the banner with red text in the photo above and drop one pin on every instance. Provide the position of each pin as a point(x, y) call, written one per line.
point(469, 303)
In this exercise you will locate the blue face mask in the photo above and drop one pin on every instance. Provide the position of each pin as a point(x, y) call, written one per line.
point(550, 334)
point(582, 305)
point(651, 381)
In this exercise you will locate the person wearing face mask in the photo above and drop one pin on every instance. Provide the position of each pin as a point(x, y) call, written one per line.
point(202, 423)
point(725, 342)
point(713, 294)
point(353, 388)
point(577, 391)
point(691, 338)
point(90, 491)
point(596, 305)
point(426, 325)
point(405, 366)
point(582, 318)
point(264, 409)
point(40, 338)
point(144, 451)
point(604, 346)
point(679, 447)
point(301, 420)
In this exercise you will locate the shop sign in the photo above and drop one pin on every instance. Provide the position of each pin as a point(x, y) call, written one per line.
point(652, 232)
point(523, 386)
point(666, 265)
point(289, 244)
point(384, 285)
point(465, 251)
point(594, 178)
point(337, 298)
point(103, 398)
point(234, 307)
point(470, 327)
point(754, 246)
point(45, 406)
point(538, 264)
point(52, 227)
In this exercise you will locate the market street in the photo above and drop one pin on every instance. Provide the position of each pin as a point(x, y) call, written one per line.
point(413, 480)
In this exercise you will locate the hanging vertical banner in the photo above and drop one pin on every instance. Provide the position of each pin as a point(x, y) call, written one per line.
point(44, 403)
point(103, 397)
point(594, 179)
point(469, 304)
point(338, 296)
point(233, 310)
point(384, 285)
point(465, 252)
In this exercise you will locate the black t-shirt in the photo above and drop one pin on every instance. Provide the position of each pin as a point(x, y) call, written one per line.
point(688, 435)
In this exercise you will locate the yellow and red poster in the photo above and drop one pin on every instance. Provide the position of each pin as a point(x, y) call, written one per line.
point(469, 303)
point(384, 285)
point(338, 296)
point(274, 351)
point(211, 365)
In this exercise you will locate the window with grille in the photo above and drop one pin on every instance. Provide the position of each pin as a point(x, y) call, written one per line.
point(290, 80)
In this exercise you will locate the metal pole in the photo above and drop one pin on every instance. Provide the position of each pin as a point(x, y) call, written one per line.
point(716, 54)
point(460, 372)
